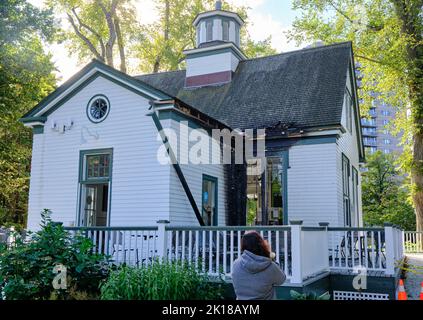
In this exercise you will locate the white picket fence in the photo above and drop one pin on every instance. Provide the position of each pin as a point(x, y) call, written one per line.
point(413, 241)
point(302, 252)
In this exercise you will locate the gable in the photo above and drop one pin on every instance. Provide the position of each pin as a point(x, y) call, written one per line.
point(79, 81)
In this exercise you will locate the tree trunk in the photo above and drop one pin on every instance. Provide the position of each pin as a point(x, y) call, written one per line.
point(409, 14)
point(120, 45)
point(156, 66)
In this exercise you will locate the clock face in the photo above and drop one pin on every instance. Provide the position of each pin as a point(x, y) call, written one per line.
point(98, 109)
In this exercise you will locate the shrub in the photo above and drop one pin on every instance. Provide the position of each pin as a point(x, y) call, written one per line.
point(160, 281)
point(27, 268)
point(309, 296)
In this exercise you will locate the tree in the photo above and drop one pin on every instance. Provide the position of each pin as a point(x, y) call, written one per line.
point(388, 45)
point(165, 40)
point(26, 76)
point(385, 196)
point(99, 29)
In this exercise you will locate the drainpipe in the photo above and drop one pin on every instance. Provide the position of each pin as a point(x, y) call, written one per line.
point(175, 163)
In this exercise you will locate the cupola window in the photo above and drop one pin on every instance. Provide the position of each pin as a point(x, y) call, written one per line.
point(225, 30)
point(209, 31)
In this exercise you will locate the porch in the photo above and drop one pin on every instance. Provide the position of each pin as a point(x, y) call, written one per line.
point(306, 254)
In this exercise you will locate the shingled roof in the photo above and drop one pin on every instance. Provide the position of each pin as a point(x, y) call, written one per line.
point(302, 89)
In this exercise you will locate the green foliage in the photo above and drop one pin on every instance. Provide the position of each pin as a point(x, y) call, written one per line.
point(385, 195)
point(309, 296)
point(26, 76)
point(26, 269)
point(251, 211)
point(91, 35)
point(160, 281)
point(387, 37)
point(163, 42)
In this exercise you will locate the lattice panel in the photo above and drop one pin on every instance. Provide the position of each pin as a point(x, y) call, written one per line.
point(349, 295)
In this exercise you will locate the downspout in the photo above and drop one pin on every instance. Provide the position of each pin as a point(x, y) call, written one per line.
point(175, 164)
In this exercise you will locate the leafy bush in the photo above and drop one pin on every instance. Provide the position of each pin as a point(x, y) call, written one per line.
point(27, 269)
point(309, 296)
point(160, 281)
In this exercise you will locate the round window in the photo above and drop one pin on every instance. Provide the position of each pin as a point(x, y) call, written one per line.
point(98, 108)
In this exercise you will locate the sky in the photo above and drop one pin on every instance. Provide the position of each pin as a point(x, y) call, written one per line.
point(267, 17)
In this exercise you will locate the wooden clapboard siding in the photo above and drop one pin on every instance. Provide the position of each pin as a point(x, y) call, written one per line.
point(347, 144)
point(312, 184)
point(140, 185)
point(181, 212)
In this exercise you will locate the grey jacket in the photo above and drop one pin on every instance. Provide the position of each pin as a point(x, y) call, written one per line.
point(254, 277)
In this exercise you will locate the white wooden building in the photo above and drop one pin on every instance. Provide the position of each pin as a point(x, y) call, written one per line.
point(96, 139)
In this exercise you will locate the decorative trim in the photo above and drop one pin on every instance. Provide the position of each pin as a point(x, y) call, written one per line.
point(38, 129)
point(212, 50)
point(208, 79)
point(221, 13)
point(304, 141)
point(89, 106)
point(97, 68)
point(33, 119)
point(176, 166)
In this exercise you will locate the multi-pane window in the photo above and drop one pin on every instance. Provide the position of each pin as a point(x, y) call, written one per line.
point(225, 30)
point(386, 113)
point(386, 141)
point(98, 166)
point(95, 186)
point(386, 151)
point(369, 131)
point(369, 141)
point(368, 122)
point(385, 122)
point(346, 190)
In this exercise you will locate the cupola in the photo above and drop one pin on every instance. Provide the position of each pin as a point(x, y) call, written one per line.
point(218, 52)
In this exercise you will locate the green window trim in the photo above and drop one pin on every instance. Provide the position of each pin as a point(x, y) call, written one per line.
point(215, 181)
point(284, 156)
point(346, 194)
point(356, 183)
point(82, 181)
point(91, 101)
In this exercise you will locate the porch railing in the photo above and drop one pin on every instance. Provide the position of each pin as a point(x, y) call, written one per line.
point(375, 249)
point(214, 249)
point(129, 245)
point(413, 241)
point(302, 252)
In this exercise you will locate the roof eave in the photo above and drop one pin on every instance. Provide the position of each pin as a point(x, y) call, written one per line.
point(94, 66)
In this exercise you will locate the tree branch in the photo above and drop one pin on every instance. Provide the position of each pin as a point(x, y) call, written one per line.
point(120, 45)
point(84, 25)
point(84, 38)
point(379, 62)
point(111, 26)
point(342, 13)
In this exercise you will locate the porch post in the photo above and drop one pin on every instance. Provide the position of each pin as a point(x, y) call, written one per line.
point(296, 253)
point(390, 249)
point(162, 239)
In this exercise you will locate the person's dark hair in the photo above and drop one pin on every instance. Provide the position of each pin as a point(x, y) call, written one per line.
point(253, 242)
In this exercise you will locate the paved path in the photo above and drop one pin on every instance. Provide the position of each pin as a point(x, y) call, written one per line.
point(413, 281)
